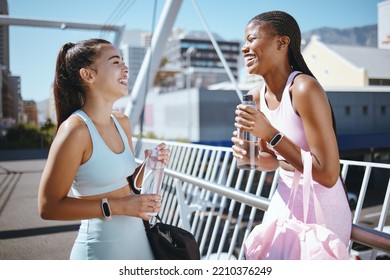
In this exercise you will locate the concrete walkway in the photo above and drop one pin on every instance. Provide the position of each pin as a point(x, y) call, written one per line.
point(23, 234)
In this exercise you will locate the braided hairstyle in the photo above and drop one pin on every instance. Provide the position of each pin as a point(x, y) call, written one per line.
point(284, 24)
point(69, 91)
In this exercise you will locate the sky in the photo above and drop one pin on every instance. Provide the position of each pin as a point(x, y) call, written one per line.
point(33, 50)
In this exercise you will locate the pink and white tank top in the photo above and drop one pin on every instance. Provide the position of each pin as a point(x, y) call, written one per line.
point(284, 118)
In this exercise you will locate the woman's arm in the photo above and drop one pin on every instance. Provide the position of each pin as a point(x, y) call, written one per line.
point(66, 154)
point(312, 105)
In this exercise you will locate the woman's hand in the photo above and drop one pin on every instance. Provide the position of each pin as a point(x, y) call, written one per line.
point(163, 153)
point(238, 152)
point(139, 205)
point(252, 120)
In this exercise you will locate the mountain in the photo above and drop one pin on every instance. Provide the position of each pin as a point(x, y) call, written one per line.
point(356, 36)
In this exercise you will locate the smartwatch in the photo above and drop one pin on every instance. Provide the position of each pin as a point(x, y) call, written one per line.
point(275, 140)
point(106, 209)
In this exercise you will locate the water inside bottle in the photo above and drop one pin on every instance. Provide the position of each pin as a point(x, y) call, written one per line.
point(153, 177)
point(250, 159)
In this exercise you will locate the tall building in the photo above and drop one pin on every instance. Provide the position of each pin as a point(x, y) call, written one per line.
point(10, 97)
point(133, 48)
point(194, 53)
point(4, 36)
point(14, 85)
point(384, 25)
point(3, 79)
point(133, 57)
point(30, 109)
point(189, 58)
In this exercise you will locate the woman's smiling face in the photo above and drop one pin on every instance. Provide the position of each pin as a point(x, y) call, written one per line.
point(260, 47)
point(112, 73)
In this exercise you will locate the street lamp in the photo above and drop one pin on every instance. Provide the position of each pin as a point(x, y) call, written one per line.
point(189, 51)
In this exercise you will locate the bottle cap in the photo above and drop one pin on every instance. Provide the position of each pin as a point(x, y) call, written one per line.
point(154, 153)
point(247, 97)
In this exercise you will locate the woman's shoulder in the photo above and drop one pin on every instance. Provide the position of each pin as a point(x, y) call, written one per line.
point(71, 140)
point(307, 93)
point(73, 128)
point(305, 85)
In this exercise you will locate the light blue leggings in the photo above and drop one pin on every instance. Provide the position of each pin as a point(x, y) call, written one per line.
point(122, 238)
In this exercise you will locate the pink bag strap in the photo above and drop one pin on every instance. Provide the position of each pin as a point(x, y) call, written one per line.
point(287, 213)
point(307, 191)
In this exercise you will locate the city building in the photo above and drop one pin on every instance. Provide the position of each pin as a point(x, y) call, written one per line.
point(133, 48)
point(347, 66)
point(353, 66)
point(14, 85)
point(4, 36)
point(11, 109)
point(194, 53)
point(189, 59)
point(31, 112)
point(384, 25)
point(7, 99)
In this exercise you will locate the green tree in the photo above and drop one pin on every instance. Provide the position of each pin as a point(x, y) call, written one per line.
point(29, 136)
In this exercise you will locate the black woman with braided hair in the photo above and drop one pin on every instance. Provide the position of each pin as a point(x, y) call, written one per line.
point(293, 114)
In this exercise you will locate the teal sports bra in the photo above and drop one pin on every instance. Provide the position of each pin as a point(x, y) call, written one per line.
point(105, 171)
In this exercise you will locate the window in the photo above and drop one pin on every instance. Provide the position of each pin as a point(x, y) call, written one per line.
point(379, 82)
point(383, 110)
point(347, 110)
point(365, 110)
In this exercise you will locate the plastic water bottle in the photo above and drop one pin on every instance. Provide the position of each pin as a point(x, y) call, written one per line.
point(251, 142)
point(153, 176)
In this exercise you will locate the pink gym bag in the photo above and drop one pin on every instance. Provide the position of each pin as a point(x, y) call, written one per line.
point(287, 238)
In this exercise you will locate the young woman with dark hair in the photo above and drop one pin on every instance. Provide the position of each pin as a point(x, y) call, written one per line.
point(92, 155)
point(293, 113)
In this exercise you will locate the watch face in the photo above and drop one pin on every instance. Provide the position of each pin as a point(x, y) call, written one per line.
point(106, 209)
point(276, 139)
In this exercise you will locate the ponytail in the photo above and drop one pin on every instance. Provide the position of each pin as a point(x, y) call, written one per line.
point(69, 91)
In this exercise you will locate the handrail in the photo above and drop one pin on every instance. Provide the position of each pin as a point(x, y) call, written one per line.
point(241, 196)
point(371, 237)
point(206, 193)
point(361, 234)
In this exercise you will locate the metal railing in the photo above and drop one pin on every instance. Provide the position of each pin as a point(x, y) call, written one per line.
point(206, 194)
